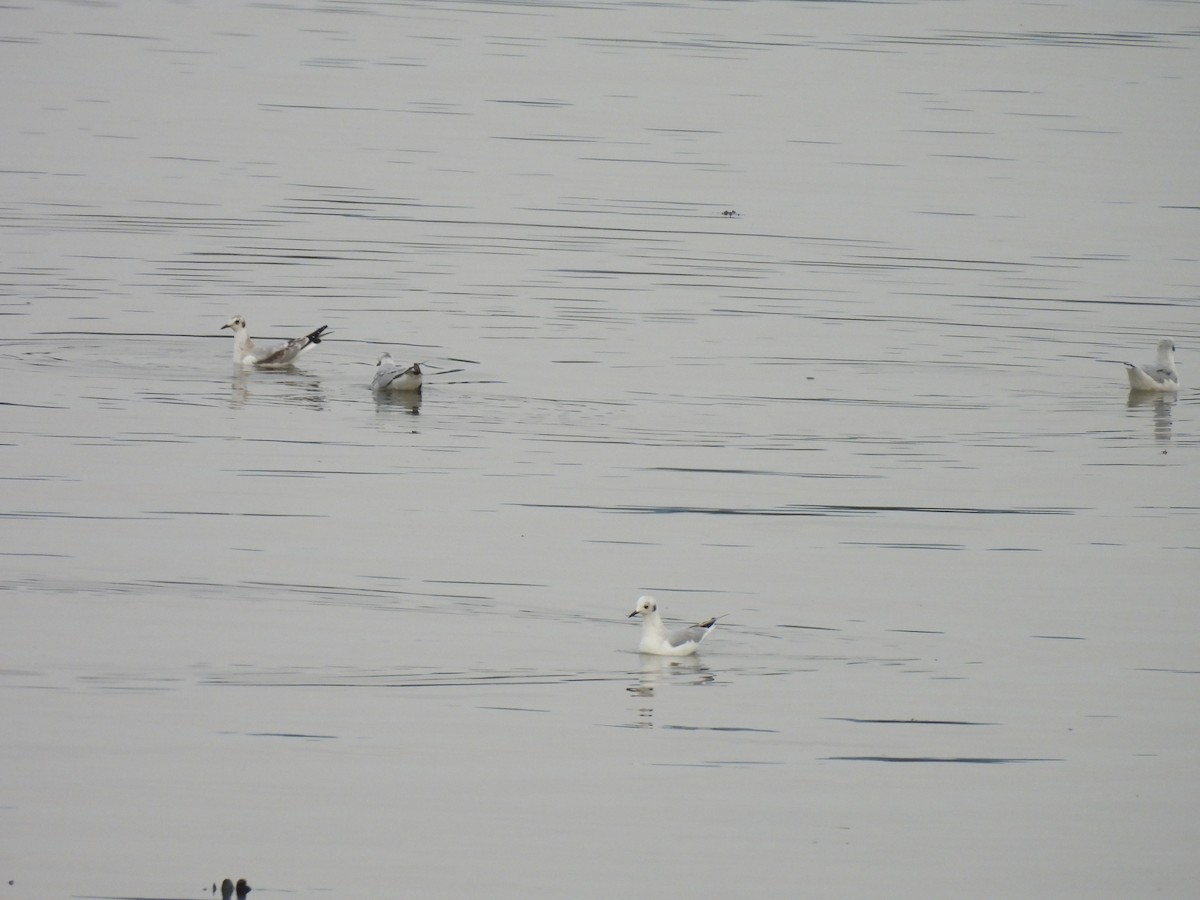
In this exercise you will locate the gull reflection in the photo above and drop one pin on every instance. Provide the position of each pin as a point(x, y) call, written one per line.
point(657, 671)
point(402, 401)
point(295, 388)
point(1162, 404)
point(239, 393)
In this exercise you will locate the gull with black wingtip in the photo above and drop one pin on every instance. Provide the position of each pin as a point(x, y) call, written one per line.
point(1156, 376)
point(275, 356)
point(391, 377)
point(658, 641)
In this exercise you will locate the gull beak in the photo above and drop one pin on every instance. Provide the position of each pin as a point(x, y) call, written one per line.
point(632, 614)
point(223, 327)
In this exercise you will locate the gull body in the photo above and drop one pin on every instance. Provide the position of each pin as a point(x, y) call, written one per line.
point(275, 356)
point(1157, 376)
point(391, 377)
point(658, 641)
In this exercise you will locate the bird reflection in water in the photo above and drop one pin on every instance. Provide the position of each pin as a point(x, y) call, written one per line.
point(1162, 404)
point(657, 671)
point(297, 388)
point(401, 401)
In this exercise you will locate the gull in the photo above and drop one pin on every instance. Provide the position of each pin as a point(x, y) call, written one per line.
point(655, 638)
point(1157, 376)
point(277, 356)
point(391, 377)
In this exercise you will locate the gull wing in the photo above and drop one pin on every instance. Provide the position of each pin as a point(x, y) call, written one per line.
point(692, 634)
point(285, 353)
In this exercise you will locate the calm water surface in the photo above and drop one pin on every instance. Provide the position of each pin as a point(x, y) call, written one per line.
point(807, 314)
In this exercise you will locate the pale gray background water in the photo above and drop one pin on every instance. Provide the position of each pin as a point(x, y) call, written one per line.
point(262, 625)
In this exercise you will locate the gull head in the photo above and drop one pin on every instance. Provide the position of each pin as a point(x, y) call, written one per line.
point(645, 606)
point(385, 359)
point(1166, 349)
point(237, 323)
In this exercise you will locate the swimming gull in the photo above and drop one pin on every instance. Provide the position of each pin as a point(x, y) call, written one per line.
point(1156, 376)
point(391, 377)
point(276, 356)
point(656, 639)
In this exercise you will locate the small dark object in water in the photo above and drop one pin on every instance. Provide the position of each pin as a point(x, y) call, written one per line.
point(730, 213)
point(228, 889)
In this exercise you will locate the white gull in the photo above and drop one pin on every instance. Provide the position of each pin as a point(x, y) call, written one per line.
point(275, 356)
point(656, 639)
point(391, 377)
point(1156, 376)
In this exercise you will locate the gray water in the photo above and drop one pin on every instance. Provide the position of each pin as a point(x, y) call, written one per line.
point(805, 314)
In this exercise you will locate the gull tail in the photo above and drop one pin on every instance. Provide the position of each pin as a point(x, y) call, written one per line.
point(315, 337)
